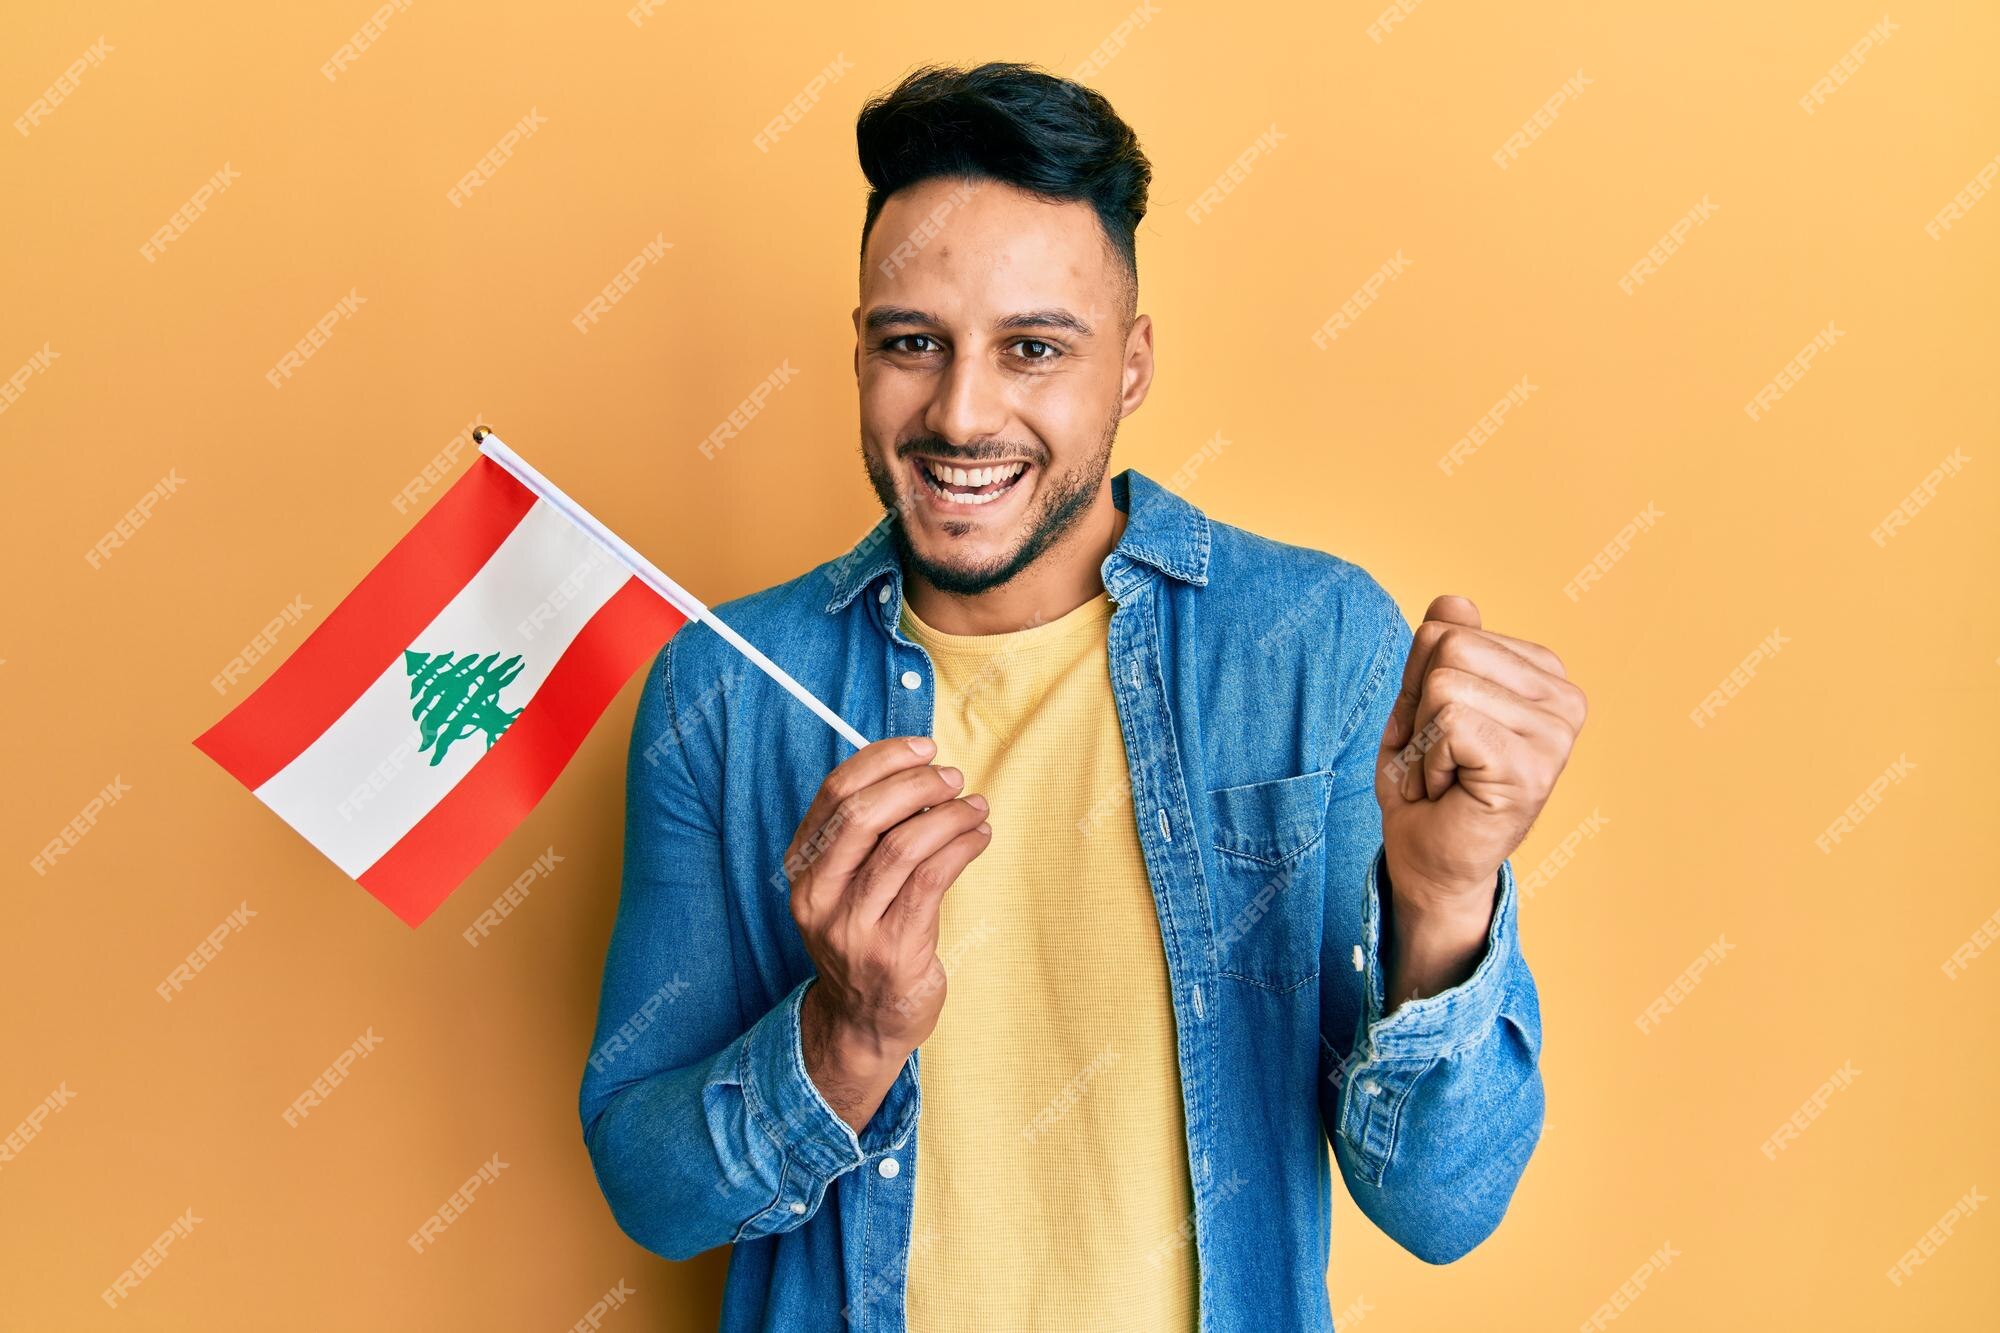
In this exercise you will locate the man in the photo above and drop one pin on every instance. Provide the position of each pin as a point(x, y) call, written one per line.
point(1182, 857)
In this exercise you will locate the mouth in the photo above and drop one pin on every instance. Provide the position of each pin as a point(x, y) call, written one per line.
point(964, 490)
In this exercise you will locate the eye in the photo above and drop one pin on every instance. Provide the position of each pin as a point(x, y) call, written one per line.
point(1049, 351)
point(891, 344)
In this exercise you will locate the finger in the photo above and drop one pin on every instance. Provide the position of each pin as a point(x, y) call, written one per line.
point(853, 826)
point(820, 863)
point(1392, 768)
point(1399, 770)
point(1560, 705)
point(1527, 649)
point(1534, 652)
point(1484, 654)
point(1400, 726)
point(1410, 777)
point(1468, 740)
point(1453, 610)
point(858, 771)
point(1529, 669)
point(915, 907)
point(900, 850)
point(1462, 611)
point(1442, 613)
point(1448, 685)
point(865, 767)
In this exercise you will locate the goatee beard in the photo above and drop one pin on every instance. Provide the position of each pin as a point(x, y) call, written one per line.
point(1062, 506)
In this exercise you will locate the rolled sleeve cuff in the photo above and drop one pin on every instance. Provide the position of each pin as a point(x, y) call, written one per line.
point(1393, 1053)
point(786, 1104)
point(1437, 1025)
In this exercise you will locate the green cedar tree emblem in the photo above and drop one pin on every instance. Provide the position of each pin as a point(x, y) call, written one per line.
point(458, 696)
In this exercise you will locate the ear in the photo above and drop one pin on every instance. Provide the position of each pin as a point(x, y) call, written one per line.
point(1138, 370)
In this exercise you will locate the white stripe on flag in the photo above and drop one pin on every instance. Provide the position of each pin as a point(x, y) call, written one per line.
point(356, 790)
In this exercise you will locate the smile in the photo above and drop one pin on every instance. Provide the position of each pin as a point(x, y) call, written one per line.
point(960, 487)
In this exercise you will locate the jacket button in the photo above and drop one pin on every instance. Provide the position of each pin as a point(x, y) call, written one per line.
point(798, 1206)
point(889, 1168)
point(911, 680)
point(882, 594)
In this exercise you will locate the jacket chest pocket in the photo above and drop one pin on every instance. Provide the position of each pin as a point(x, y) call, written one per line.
point(1267, 877)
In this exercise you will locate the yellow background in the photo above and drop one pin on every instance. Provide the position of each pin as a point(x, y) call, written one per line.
point(1709, 832)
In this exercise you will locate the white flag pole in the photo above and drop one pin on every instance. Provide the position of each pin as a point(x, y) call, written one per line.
point(680, 598)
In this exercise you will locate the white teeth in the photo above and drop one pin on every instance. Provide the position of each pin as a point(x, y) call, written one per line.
point(951, 477)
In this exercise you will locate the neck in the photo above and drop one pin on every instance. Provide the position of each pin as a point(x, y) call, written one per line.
point(1063, 578)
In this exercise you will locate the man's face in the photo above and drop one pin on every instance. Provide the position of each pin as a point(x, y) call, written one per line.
point(991, 338)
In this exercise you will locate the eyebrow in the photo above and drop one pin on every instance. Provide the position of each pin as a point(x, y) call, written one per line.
point(883, 317)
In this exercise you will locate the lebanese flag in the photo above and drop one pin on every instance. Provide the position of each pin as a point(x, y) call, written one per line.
point(423, 720)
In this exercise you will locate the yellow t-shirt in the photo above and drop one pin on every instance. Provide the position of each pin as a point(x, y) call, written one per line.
point(1052, 1162)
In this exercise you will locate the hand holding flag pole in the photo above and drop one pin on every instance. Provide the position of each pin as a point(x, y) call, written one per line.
point(421, 721)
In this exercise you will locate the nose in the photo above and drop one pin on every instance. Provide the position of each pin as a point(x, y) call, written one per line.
point(970, 402)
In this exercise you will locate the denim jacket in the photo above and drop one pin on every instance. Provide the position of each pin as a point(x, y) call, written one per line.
point(1252, 681)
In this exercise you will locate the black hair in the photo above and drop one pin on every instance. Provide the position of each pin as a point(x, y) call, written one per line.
point(1012, 123)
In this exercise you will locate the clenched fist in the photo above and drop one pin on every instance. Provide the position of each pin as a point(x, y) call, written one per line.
point(884, 837)
point(1472, 748)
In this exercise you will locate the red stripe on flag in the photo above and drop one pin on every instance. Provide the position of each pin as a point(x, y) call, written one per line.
point(372, 625)
point(497, 793)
